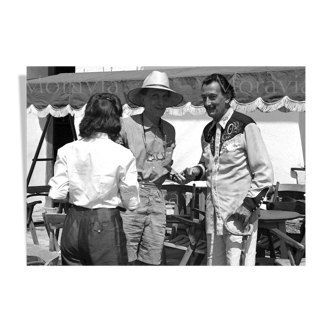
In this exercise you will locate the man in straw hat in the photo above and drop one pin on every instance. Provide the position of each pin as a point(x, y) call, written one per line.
point(152, 141)
point(238, 171)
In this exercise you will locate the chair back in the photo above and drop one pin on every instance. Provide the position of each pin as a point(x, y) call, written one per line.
point(55, 219)
point(283, 204)
point(286, 197)
point(54, 223)
point(295, 191)
point(177, 194)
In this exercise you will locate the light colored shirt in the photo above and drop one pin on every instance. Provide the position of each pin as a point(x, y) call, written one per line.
point(236, 166)
point(145, 139)
point(97, 173)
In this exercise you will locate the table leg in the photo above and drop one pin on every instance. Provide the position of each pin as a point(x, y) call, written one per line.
point(272, 252)
point(283, 249)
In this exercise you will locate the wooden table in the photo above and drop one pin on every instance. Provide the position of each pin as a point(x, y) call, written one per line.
point(269, 219)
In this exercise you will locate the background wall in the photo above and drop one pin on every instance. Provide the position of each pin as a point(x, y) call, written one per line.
point(283, 134)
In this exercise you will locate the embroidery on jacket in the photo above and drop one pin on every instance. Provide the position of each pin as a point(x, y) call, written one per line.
point(227, 141)
point(232, 129)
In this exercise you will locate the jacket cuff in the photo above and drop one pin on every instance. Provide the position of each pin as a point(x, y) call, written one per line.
point(58, 194)
point(253, 203)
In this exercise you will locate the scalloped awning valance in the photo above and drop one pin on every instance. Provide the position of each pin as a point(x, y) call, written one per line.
point(264, 88)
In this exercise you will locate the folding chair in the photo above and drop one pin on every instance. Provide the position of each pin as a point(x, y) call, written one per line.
point(295, 250)
point(54, 223)
point(193, 243)
point(284, 197)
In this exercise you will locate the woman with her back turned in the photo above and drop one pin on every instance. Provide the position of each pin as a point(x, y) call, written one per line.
point(98, 177)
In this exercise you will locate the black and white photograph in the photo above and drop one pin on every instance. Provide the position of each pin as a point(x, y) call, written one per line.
point(166, 166)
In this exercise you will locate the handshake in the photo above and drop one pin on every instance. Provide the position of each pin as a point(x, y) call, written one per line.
point(186, 176)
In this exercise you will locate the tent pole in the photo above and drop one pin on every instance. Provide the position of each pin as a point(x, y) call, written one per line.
point(34, 160)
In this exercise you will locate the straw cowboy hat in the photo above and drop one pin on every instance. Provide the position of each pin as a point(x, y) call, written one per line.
point(156, 80)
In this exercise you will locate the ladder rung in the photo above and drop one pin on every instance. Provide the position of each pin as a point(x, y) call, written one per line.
point(43, 159)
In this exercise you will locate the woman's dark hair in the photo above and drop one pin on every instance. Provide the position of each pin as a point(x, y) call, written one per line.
point(102, 114)
point(225, 86)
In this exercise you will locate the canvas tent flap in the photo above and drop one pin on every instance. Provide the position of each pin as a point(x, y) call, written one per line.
point(264, 88)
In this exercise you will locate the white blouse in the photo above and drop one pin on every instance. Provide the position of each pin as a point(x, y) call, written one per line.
point(97, 173)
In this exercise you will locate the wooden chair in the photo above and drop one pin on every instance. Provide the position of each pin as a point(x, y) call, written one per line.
point(295, 258)
point(283, 197)
point(54, 223)
point(287, 197)
point(193, 242)
point(33, 191)
point(30, 224)
point(177, 194)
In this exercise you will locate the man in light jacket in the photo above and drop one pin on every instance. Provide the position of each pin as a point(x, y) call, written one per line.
point(238, 171)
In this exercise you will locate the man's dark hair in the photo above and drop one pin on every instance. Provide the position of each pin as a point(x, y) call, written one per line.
point(225, 86)
point(102, 114)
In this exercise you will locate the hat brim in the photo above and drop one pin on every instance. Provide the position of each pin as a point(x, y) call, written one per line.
point(135, 96)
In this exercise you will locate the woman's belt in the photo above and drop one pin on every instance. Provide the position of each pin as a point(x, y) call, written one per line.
point(82, 208)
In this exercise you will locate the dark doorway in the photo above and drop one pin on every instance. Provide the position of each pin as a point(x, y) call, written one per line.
point(60, 70)
point(62, 133)
point(61, 126)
